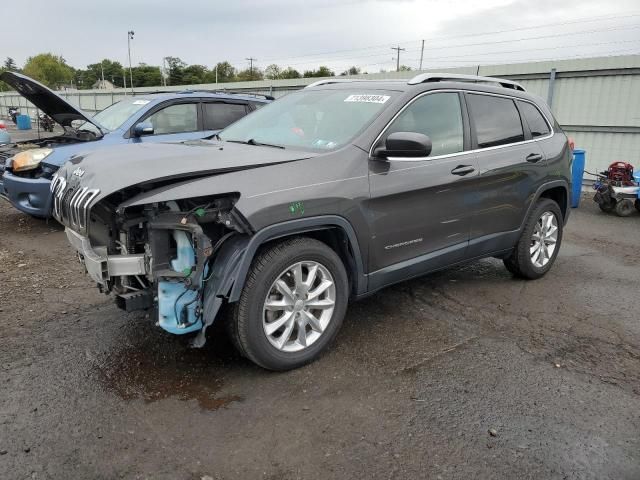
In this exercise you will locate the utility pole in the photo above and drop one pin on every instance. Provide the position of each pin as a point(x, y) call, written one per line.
point(421, 55)
point(102, 69)
point(398, 50)
point(251, 60)
point(165, 73)
point(129, 38)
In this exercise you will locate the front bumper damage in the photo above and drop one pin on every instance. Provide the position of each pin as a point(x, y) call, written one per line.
point(100, 266)
point(187, 283)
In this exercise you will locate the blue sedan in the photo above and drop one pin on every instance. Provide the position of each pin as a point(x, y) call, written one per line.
point(26, 170)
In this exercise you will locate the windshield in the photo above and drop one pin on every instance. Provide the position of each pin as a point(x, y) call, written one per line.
point(317, 120)
point(115, 115)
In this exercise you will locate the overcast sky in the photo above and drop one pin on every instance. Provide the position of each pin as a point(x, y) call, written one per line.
point(305, 34)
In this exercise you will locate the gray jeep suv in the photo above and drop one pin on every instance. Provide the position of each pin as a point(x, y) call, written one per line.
point(328, 194)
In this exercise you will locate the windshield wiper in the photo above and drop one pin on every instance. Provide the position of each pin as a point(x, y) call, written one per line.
point(252, 141)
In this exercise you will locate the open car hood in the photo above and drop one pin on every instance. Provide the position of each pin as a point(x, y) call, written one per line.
point(46, 100)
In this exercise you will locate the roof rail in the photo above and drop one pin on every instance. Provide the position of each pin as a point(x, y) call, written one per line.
point(328, 81)
point(453, 77)
point(224, 92)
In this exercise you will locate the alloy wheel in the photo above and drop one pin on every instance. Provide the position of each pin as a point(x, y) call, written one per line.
point(299, 306)
point(544, 239)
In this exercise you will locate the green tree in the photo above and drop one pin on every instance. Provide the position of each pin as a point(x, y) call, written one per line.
point(225, 71)
point(84, 79)
point(10, 64)
point(405, 68)
point(195, 74)
point(146, 76)
point(352, 71)
point(273, 72)
point(249, 75)
point(322, 71)
point(52, 70)
point(176, 70)
point(112, 72)
point(290, 73)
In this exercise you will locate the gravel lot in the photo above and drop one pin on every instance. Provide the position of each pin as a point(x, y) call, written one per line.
point(467, 373)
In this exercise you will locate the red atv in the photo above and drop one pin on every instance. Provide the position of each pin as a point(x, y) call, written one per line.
point(617, 190)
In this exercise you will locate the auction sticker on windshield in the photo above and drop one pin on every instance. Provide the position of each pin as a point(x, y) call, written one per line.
point(141, 102)
point(367, 98)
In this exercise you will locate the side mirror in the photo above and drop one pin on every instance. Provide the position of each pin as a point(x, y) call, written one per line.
point(405, 144)
point(143, 128)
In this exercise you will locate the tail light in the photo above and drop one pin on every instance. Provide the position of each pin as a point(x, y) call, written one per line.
point(572, 144)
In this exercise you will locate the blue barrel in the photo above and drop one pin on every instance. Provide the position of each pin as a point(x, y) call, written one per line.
point(23, 122)
point(577, 172)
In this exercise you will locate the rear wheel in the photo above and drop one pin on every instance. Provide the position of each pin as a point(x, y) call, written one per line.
point(539, 243)
point(607, 207)
point(292, 304)
point(637, 204)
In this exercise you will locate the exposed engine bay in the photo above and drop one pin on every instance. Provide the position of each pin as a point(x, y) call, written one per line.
point(70, 136)
point(160, 255)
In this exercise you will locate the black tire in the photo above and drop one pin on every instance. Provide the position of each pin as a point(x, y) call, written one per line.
point(245, 324)
point(624, 207)
point(637, 204)
point(607, 207)
point(519, 263)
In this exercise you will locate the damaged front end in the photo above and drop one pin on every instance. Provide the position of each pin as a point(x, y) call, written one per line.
point(176, 256)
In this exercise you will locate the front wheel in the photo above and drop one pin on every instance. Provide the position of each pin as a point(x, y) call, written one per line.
point(539, 243)
point(624, 207)
point(292, 304)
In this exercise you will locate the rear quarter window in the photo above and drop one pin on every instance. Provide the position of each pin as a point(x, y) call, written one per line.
point(535, 120)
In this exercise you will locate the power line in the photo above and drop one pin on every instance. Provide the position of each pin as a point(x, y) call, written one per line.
point(452, 37)
point(495, 42)
point(485, 62)
point(557, 47)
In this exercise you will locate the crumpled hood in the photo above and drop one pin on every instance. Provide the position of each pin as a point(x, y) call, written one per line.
point(46, 100)
point(112, 169)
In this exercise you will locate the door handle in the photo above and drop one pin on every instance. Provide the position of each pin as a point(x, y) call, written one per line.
point(463, 170)
point(533, 157)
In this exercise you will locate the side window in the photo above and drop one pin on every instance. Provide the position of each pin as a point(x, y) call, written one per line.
point(438, 116)
point(219, 115)
point(537, 124)
point(496, 119)
point(178, 118)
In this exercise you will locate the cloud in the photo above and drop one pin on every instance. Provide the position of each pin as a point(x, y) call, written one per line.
point(305, 34)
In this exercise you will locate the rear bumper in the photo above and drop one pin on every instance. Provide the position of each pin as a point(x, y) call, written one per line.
point(101, 266)
point(29, 195)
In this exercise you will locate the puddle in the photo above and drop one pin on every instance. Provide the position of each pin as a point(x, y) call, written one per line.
point(157, 371)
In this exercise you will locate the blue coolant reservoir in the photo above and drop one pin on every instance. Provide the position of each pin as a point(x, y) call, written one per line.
point(176, 303)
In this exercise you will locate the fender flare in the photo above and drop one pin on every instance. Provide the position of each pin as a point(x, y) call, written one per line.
point(231, 266)
point(292, 227)
point(543, 188)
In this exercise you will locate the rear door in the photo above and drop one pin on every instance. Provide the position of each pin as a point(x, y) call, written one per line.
point(421, 206)
point(511, 165)
point(218, 115)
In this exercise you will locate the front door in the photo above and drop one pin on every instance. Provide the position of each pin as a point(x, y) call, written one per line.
point(174, 123)
point(420, 209)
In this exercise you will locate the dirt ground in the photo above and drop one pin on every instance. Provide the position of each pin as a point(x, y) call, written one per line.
point(467, 373)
